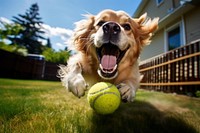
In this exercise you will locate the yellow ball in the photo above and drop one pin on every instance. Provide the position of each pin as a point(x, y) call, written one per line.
point(104, 98)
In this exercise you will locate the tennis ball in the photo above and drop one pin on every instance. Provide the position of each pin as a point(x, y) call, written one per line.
point(104, 98)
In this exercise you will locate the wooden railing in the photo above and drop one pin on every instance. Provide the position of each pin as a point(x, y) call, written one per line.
point(175, 71)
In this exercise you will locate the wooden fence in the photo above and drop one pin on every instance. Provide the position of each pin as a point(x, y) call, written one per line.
point(16, 66)
point(175, 71)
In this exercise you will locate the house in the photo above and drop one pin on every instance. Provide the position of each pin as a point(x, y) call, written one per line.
point(171, 63)
point(179, 24)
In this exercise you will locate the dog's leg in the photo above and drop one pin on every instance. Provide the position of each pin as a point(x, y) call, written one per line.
point(72, 79)
point(128, 90)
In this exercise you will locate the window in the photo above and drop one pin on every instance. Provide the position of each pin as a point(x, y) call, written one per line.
point(174, 38)
point(159, 2)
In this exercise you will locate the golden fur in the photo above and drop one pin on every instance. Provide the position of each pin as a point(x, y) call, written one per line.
point(82, 67)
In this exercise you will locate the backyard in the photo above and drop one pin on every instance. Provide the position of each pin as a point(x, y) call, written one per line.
point(45, 106)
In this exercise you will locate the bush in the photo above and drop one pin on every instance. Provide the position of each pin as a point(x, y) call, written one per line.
point(14, 49)
point(57, 57)
point(197, 93)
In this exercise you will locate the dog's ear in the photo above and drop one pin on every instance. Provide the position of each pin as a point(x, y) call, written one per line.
point(82, 32)
point(141, 19)
point(145, 28)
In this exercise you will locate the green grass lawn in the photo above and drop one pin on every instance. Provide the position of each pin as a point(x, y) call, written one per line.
point(43, 106)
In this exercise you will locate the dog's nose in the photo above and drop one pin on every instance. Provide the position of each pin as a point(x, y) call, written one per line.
point(111, 28)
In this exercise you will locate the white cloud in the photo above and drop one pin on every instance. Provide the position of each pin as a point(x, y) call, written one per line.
point(5, 20)
point(62, 35)
point(61, 45)
point(57, 31)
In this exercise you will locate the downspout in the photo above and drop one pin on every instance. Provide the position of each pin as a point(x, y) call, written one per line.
point(183, 28)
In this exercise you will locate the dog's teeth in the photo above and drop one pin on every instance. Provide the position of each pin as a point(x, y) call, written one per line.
point(107, 71)
point(101, 67)
point(115, 67)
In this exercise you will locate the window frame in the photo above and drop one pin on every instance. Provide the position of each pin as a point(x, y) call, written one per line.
point(159, 2)
point(182, 34)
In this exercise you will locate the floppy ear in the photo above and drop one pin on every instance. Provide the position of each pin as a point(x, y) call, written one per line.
point(141, 19)
point(82, 31)
point(145, 28)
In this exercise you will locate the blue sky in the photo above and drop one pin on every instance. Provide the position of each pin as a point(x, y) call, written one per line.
point(59, 16)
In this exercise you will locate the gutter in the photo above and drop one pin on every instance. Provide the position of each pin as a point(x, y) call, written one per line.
point(142, 4)
point(174, 14)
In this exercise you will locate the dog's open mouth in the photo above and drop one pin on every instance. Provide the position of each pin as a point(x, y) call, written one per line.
point(109, 57)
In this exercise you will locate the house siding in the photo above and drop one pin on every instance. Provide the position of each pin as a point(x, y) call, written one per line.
point(156, 47)
point(192, 25)
point(157, 11)
point(171, 13)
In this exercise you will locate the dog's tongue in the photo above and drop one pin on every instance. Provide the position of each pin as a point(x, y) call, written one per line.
point(108, 61)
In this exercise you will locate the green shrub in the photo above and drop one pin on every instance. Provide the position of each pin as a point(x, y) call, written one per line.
point(198, 93)
point(56, 57)
point(14, 49)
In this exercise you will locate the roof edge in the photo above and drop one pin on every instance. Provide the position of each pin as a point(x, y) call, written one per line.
point(139, 8)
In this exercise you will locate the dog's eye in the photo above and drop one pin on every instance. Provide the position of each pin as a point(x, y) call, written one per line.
point(126, 27)
point(101, 23)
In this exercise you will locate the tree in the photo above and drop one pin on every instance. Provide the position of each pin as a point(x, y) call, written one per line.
point(10, 30)
point(31, 33)
point(49, 45)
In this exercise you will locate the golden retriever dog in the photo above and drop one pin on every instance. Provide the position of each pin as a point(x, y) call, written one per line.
point(108, 46)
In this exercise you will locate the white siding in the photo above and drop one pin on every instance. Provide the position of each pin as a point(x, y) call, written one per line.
point(155, 48)
point(192, 24)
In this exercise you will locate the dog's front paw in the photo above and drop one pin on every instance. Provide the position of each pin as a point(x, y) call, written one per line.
point(127, 92)
point(77, 85)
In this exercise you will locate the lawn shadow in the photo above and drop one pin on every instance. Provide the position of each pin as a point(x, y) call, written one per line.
point(139, 117)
